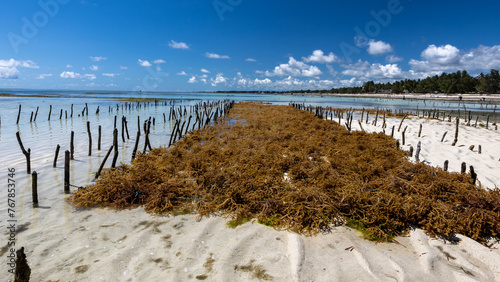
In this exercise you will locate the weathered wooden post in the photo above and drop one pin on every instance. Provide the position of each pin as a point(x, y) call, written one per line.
point(57, 154)
point(72, 145)
point(99, 139)
point(136, 144)
point(50, 111)
point(66, 172)
point(34, 192)
point(444, 135)
point(103, 162)
point(455, 140)
point(403, 134)
point(420, 131)
point(115, 147)
point(417, 153)
point(445, 168)
point(90, 138)
point(473, 175)
point(464, 168)
point(401, 123)
point(36, 114)
point(26, 153)
point(22, 271)
point(18, 115)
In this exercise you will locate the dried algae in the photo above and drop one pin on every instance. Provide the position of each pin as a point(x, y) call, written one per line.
point(294, 171)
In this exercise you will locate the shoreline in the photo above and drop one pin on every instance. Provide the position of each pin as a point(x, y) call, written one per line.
point(485, 98)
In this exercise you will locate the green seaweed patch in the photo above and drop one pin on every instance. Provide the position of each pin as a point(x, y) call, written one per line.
point(237, 222)
point(270, 221)
point(373, 234)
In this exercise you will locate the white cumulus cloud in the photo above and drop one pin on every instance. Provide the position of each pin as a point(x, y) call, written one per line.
point(219, 78)
point(378, 47)
point(97, 59)
point(44, 75)
point(216, 56)
point(94, 67)
point(182, 73)
point(250, 60)
point(178, 45)
point(319, 57)
point(159, 61)
point(110, 74)
point(8, 68)
point(370, 71)
point(192, 80)
point(393, 59)
point(144, 63)
point(205, 71)
point(71, 74)
point(294, 68)
point(438, 59)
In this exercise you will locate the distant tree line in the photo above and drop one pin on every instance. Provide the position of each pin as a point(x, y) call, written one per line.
point(456, 82)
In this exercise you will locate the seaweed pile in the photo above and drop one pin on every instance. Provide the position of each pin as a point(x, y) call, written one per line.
point(292, 170)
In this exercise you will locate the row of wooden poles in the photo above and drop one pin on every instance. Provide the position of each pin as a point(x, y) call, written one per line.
point(204, 112)
point(126, 106)
point(325, 112)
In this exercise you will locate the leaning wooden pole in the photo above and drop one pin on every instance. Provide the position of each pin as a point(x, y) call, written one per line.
point(18, 115)
point(136, 144)
point(27, 154)
point(57, 154)
point(103, 162)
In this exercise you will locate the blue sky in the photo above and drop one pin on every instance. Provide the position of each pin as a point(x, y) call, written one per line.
point(240, 44)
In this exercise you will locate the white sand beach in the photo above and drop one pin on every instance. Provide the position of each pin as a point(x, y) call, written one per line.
point(68, 244)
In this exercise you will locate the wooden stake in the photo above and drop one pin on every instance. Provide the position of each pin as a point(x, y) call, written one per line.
point(403, 134)
point(36, 114)
point(417, 153)
point(420, 131)
point(57, 154)
point(473, 175)
point(103, 162)
point(72, 145)
point(136, 144)
point(26, 153)
point(464, 168)
point(66, 172)
point(401, 123)
point(90, 138)
point(455, 140)
point(444, 135)
point(99, 139)
point(50, 111)
point(18, 115)
point(115, 147)
point(34, 192)
point(445, 168)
